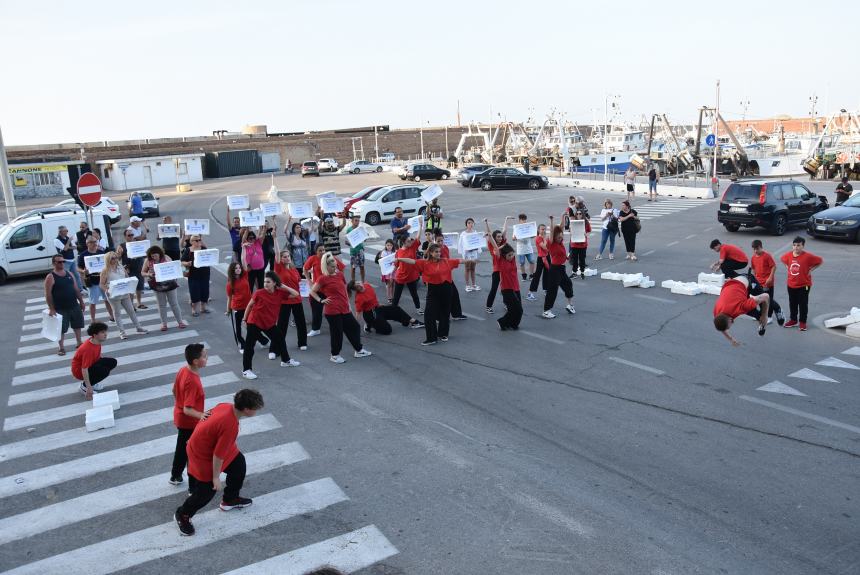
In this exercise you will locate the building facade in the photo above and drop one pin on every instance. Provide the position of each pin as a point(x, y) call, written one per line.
point(142, 173)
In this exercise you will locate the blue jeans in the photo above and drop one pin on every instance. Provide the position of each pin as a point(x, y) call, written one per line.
point(604, 235)
point(652, 186)
point(72, 268)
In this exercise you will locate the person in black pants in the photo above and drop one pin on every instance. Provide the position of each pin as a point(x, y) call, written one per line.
point(456, 306)
point(88, 365)
point(407, 276)
point(497, 238)
point(376, 317)
point(627, 218)
point(556, 276)
point(510, 285)
point(437, 275)
point(732, 259)
point(170, 245)
point(261, 316)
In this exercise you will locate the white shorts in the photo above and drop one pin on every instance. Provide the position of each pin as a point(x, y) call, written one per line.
point(471, 255)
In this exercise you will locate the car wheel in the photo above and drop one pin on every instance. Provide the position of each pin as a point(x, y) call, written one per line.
point(416, 178)
point(856, 238)
point(356, 170)
point(378, 169)
point(444, 176)
point(778, 227)
point(157, 213)
point(732, 227)
point(534, 184)
point(486, 185)
point(421, 210)
point(373, 219)
point(464, 184)
point(3, 276)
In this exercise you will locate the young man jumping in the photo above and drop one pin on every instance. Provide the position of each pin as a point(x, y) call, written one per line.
point(740, 295)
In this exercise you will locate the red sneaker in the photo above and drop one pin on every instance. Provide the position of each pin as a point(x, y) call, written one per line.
point(802, 326)
point(790, 323)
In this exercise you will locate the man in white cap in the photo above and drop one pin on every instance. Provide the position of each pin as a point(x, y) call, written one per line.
point(138, 228)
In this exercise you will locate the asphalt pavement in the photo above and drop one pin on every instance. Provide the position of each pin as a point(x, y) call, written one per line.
point(627, 438)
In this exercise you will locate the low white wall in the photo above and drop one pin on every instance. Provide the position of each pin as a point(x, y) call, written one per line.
point(641, 189)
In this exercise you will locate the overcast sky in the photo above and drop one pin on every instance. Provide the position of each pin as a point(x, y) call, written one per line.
point(89, 71)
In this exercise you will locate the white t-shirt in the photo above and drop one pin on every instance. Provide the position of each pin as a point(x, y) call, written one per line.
point(630, 177)
point(467, 254)
point(525, 246)
point(136, 231)
point(603, 215)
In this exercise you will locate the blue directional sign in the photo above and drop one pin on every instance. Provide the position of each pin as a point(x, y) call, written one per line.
point(711, 140)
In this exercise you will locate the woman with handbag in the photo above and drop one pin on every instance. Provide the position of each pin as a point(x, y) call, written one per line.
point(609, 219)
point(198, 278)
point(630, 226)
point(165, 292)
point(111, 272)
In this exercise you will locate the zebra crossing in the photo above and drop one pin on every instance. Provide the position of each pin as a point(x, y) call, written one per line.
point(666, 206)
point(46, 455)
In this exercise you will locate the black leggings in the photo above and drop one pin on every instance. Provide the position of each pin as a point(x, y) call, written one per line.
point(413, 290)
point(238, 315)
point(339, 325)
point(298, 312)
point(378, 319)
point(511, 319)
point(317, 312)
point(556, 278)
point(101, 369)
point(255, 278)
point(730, 268)
point(494, 287)
point(540, 272)
point(438, 309)
point(798, 303)
point(456, 308)
point(202, 492)
point(629, 240)
point(279, 346)
point(180, 457)
point(577, 259)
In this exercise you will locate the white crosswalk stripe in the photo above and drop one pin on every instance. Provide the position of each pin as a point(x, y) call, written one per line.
point(40, 306)
point(113, 335)
point(665, 207)
point(142, 316)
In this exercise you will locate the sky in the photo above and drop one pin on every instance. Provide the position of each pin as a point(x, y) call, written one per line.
point(90, 71)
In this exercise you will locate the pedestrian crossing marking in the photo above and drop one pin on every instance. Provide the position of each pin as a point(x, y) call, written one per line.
point(807, 373)
point(779, 387)
point(836, 362)
point(141, 317)
point(42, 305)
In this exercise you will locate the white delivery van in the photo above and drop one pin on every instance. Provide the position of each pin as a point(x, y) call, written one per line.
point(27, 242)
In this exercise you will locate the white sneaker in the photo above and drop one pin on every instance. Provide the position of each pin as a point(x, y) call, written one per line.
point(468, 289)
point(362, 353)
point(272, 355)
point(570, 309)
point(241, 350)
point(531, 297)
point(313, 332)
point(598, 257)
point(612, 256)
point(83, 389)
point(303, 348)
point(248, 374)
point(548, 314)
point(769, 320)
point(291, 363)
point(336, 359)
point(476, 288)
point(419, 311)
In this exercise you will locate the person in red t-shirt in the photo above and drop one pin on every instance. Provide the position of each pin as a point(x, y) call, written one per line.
point(579, 249)
point(735, 299)
point(539, 277)
point(556, 276)
point(437, 274)
point(261, 316)
point(88, 365)
point(510, 284)
point(238, 296)
point(292, 305)
point(456, 306)
point(732, 259)
point(212, 450)
point(498, 238)
point(313, 271)
point(336, 309)
point(188, 397)
point(763, 268)
point(800, 266)
point(376, 316)
point(406, 275)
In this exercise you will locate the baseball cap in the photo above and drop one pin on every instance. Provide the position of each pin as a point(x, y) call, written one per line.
point(135, 219)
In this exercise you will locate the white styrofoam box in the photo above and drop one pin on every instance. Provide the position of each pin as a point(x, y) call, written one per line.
point(611, 276)
point(590, 272)
point(107, 398)
point(99, 418)
point(647, 284)
point(632, 280)
point(854, 311)
point(853, 330)
point(710, 289)
point(704, 278)
point(669, 284)
point(687, 289)
point(840, 321)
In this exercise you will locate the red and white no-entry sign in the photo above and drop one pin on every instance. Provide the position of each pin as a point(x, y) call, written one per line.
point(89, 189)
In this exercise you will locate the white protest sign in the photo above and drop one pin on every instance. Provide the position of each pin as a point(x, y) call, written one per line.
point(251, 219)
point(473, 241)
point(523, 231)
point(415, 222)
point(328, 194)
point(168, 231)
point(300, 210)
point(168, 271)
point(197, 227)
point(206, 258)
point(357, 236)
point(271, 209)
point(386, 265)
point(122, 287)
point(94, 264)
point(331, 205)
point(238, 202)
point(137, 249)
point(304, 288)
point(577, 231)
point(431, 193)
point(451, 239)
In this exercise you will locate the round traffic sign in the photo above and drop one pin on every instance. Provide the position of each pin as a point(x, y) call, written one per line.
point(710, 140)
point(89, 189)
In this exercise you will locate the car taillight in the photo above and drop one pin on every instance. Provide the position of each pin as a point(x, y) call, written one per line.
point(762, 195)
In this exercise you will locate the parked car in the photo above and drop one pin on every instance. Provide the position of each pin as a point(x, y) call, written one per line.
point(105, 204)
point(465, 175)
point(418, 172)
point(508, 178)
point(379, 206)
point(387, 157)
point(842, 221)
point(327, 165)
point(310, 169)
point(150, 203)
point(359, 195)
point(775, 205)
point(359, 166)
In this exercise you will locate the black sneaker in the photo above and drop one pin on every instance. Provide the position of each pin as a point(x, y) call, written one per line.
point(489, 310)
point(235, 503)
point(780, 318)
point(184, 523)
point(761, 330)
point(501, 327)
point(443, 338)
point(367, 329)
point(175, 480)
point(416, 324)
point(459, 317)
point(428, 342)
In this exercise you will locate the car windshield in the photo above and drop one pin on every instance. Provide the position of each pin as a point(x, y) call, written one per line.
point(309, 164)
point(378, 194)
point(361, 193)
point(852, 202)
point(742, 192)
point(146, 197)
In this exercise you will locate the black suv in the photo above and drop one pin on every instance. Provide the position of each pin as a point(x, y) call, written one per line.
point(772, 205)
point(418, 172)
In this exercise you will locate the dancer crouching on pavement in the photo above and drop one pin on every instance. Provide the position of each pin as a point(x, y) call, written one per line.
point(740, 295)
point(88, 365)
point(437, 274)
point(261, 316)
point(313, 271)
point(374, 315)
point(510, 285)
point(336, 309)
point(292, 305)
point(556, 276)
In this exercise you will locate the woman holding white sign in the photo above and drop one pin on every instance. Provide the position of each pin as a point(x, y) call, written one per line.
point(114, 271)
point(253, 261)
point(165, 291)
point(470, 257)
point(198, 278)
point(556, 276)
point(291, 304)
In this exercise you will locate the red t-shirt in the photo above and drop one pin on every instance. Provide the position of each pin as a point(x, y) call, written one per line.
point(730, 252)
point(557, 253)
point(762, 266)
point(508, 274)
point(187, 392)
point(366, 300)
point(334, 288)
point(289, 277)
point(540, 242)
point(85, 357)
point(241, 293)
point(734, 300)
point(215, 437)
point(314, 264)
point(798, 268)
point(267, 306)
point(585, 243)
point(404, 273)
point(496, 259)
point(437, 272)
point(444, 252)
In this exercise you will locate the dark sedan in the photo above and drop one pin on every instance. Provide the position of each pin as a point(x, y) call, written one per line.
point(465, 175)
point(839, 222)
point(418, 172)
point(508, 178)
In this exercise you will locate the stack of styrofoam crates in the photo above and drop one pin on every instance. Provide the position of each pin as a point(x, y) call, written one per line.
point(851, 322)
point(101, 414)
point(682, 288)
point(589, 272)
point(629, 280)
point(711, 283)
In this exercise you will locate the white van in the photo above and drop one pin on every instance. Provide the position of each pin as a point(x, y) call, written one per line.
point(27, 242)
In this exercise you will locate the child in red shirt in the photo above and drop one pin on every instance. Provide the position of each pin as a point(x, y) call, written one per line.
point(763, 268)
point(188, 411)
point(542, 267)
point(510, 284)
point(732, 259)
point(375, 316)
point(736, 299)
point(437, 273)
point(88, 365)
point(800, 266)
